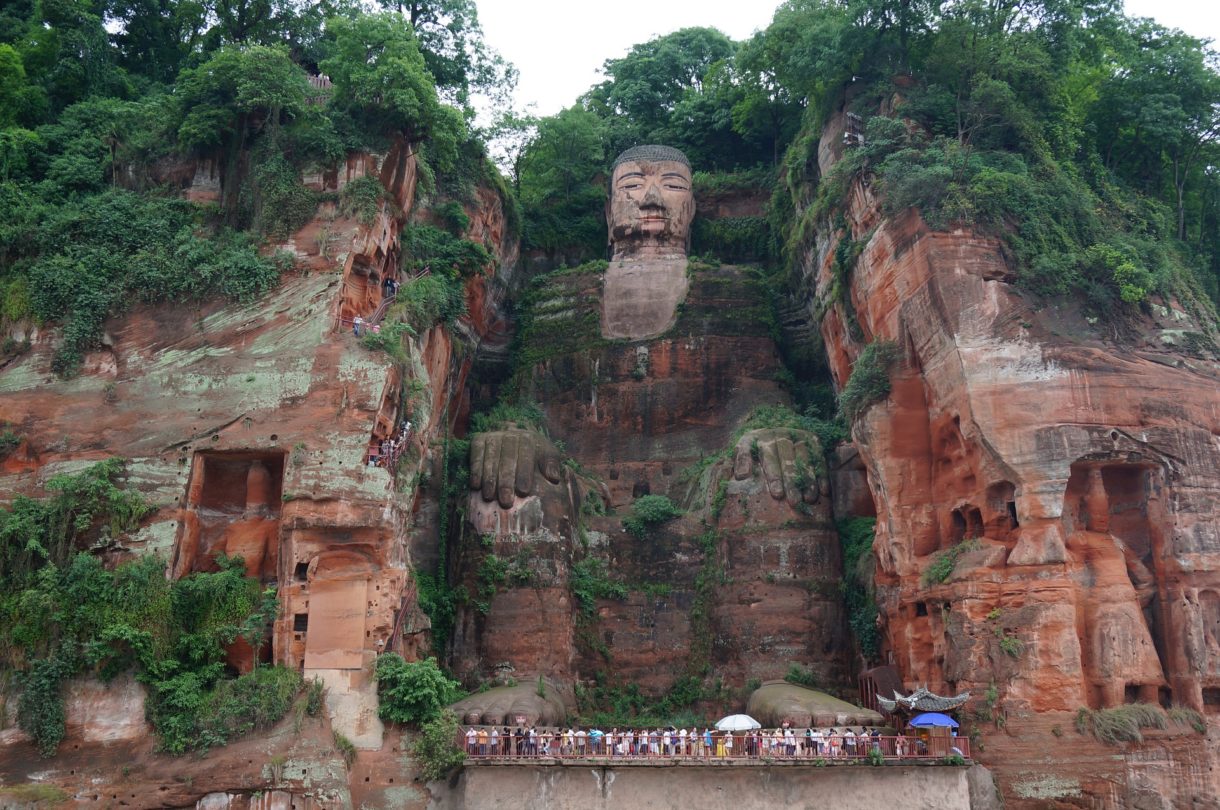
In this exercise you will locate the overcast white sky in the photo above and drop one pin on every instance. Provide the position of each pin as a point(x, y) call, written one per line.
point(559, 45)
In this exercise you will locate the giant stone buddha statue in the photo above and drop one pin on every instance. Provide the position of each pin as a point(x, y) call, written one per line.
point(685, 353)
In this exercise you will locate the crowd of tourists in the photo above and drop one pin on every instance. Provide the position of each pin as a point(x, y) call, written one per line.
point(829, 743)
point(386, 452)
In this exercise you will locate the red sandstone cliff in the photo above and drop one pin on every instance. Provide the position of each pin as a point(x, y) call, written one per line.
point(1084, 467)
point(249, 427)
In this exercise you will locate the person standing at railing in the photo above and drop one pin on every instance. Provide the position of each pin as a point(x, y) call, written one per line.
point(495, 740)
point(472, 738)
point(900, 745)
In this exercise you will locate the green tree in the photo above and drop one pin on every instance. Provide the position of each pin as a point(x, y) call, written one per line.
point(436, 748)
point(66, 51)
point(236, 94)
point(412, 692)
point(155, 37)
point(644, 87)
point(1158, 114)
point(561, 196)
point(379, 75)
point(455, 52)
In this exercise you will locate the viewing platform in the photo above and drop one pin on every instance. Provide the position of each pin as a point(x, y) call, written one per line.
point(746, 749)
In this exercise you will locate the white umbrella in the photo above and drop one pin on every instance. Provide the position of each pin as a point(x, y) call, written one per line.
point(737, 722)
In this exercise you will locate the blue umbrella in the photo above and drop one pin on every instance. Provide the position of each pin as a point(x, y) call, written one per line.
point(928, 719)
point(597, 732)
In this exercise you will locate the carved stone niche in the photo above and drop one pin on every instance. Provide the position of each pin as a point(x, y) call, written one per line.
point(1112, 518)
point(233, 508)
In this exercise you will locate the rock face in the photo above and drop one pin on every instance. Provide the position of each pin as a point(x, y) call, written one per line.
point(1072, 476)
point(749, 598)
point(646, 372)
point(250, 429)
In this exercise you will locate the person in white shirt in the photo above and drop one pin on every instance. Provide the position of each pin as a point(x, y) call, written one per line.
point(471, 737)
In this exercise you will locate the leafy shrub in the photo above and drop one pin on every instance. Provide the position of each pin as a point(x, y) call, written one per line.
point(856, 539)
point(1066, 235)
point(81, 508)
point(436, 749)
point(412, 692)
point(628, 705)
point(801, 676)
point(733, 239)
point(362, 199)
point(1011, 645)
point(280, 203)
point(870, 378)
point(504, 415)
point(429, 246)
point(10, 440)
point(250, 702)
point(590, 581)
point(876, 758)
point(315, 697)
point(493, 572)
point(454, 217)
point(425, 302)
point(14, 300)
point(77, 618)
point(942, 565)
point(97, 254)
point(649, 511)
point(388, 339)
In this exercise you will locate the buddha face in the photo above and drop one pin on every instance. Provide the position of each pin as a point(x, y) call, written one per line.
point(650, 208)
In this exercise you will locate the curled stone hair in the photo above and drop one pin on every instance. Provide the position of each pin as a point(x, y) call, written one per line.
point(651, 152)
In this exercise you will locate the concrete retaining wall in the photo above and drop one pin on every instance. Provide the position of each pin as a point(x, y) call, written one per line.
point(730, 787)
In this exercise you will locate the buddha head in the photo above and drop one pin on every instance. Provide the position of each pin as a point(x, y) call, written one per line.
point(651, 204)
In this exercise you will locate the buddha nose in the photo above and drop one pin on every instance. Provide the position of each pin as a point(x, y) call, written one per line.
point(652, 198)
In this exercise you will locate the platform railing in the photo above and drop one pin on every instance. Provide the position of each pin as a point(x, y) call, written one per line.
point(555, 744)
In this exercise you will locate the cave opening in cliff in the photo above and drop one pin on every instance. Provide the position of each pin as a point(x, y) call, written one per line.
point(1211, 699)
point(1000, 514)
point(1115, 498)
point(232, 508)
